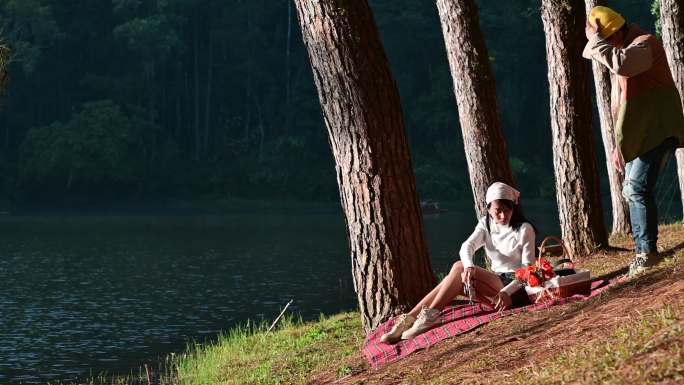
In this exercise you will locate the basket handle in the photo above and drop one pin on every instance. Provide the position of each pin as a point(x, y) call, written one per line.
point(566, 252)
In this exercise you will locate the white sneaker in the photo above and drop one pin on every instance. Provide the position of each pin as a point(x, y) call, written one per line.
point(401, 324)
point(427, 319)
point(643, 261)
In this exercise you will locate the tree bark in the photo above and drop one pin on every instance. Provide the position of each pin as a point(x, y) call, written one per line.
point(574, 158)
point(602, 83)
point(485, 146)
point(361, 108)
point(672, 24)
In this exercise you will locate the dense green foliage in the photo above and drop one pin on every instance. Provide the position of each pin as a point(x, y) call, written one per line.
point(154, 99)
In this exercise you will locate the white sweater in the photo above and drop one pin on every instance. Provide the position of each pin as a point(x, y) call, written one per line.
point(506, 248)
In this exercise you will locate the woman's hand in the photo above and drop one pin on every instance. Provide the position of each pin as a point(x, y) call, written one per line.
point(468, 284)
point(468, 276)
point(502, 301)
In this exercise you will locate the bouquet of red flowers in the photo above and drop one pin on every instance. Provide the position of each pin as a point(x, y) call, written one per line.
point(536, 275)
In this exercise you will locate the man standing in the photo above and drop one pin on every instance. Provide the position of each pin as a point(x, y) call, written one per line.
point(649, 123)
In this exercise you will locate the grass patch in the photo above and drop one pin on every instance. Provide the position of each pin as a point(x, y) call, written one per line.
point(250, 355)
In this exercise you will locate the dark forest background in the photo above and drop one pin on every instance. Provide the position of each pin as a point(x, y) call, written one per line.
point(115, 101)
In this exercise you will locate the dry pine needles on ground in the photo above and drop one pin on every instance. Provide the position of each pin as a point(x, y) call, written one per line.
point(630, 334)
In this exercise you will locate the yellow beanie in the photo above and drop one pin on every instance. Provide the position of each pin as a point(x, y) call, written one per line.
point(610, 20)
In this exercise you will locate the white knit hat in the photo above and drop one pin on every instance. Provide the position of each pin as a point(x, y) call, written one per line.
point(500, 190)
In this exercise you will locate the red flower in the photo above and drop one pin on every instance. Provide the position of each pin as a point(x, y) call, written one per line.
point(521, 274)
point(533, 281)
point(548, 275)
point(531, 269)
point(546, 269)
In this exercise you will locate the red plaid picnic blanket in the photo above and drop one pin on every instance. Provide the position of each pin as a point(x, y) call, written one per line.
point(456, 320)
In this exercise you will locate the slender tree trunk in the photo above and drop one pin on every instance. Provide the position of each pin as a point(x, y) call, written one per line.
point(180, 76)
point(621, 223)
point(362, 111)
point(6, 125)
point(187, 108)
point(288, 71)
point(160, 92)
point(149, 80)
point(262, 133)
point(574, 159)
point(672, 24)
point(248, 109)
point(485, 146)
point(207, 101)
point(248, 87)
point(197, 90)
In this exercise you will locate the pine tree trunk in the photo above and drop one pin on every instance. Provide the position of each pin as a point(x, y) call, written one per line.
point(361, 108)
point(672, 24)
point(574, 158)
point(485, 147)
point(621, 223)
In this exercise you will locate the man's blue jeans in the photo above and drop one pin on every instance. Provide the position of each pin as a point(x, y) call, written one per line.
point(641, 175)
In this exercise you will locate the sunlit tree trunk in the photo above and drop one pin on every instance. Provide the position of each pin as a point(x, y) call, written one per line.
point(485, 147)
point(672, 24)
point(574, 159)
point(362, 112)
point(621, 224)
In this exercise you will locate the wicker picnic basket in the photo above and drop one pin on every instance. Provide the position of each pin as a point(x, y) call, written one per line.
point(568, 281)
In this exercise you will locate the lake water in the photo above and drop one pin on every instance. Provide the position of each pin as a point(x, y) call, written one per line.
point(87, 294)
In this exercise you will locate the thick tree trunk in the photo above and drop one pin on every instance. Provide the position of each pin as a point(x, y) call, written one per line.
point(574, 159)
point(672, 24)
point(621, 224)
point(485, 147)
point(362, 112)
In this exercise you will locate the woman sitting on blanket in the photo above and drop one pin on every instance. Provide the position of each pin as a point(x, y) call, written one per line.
point(508, 240)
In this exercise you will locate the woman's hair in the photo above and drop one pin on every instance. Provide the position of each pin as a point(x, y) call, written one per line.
point(517, 218)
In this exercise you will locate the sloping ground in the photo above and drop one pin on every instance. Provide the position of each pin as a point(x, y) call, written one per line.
point(632, 333)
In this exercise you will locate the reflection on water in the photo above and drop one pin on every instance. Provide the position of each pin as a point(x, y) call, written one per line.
point(88, 294)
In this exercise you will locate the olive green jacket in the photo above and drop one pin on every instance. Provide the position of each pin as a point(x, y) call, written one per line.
point(647, 108)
